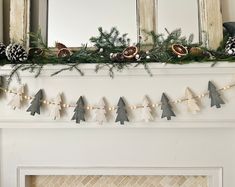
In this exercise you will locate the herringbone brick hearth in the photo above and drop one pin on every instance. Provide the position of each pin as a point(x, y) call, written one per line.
point(118, 181)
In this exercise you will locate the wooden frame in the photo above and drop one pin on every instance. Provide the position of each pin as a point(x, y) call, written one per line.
point(210, 18)
point(19, 21)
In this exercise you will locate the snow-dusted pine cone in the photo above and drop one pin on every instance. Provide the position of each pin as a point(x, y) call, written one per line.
point(2, 49)
point(230, 46)
point(16, 53)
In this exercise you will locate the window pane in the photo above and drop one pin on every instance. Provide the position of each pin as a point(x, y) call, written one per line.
point(176, 14)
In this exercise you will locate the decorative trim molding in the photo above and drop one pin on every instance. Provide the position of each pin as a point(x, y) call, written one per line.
point(215, 174)
point(180, 124)
point(157, 69)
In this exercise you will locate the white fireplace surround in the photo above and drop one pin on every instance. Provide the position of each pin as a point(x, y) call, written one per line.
point(199, 144)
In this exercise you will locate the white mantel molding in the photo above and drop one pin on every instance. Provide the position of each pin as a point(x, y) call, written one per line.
point(179, 124)
point(163, 69)
point(214, 174)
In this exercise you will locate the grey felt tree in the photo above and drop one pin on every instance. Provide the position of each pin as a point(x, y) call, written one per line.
point(79, 111)
point(214, 96)
point(36, 103)
point(121, 112)
point(166, 108)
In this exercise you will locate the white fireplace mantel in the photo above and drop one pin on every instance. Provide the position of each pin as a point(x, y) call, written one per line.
point(204, 140)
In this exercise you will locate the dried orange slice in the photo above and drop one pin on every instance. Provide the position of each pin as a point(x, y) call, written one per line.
point(179, 50)
point(130, 52)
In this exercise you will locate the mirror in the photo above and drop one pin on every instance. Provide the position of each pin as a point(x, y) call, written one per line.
point(74, 22)
point(81, 18)
point(176, 14)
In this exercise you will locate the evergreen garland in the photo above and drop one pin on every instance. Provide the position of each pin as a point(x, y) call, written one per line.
point(107, 43)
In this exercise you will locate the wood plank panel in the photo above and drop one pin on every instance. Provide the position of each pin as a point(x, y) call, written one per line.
point(211, 23)
point(19, 21)
point(147, 18)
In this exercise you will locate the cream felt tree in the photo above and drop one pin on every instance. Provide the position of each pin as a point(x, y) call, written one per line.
point(192, 104)
point(16, 100)
point(100, 113)
point(56, 108)
point(146, 111)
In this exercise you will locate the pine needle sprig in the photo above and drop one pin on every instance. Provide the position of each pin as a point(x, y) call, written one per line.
point(110, 41)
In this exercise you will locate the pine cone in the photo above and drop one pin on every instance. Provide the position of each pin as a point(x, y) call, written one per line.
point(230, 46)
point(16, 53)
point(117, 57)
point(2, 50)
point(64, 53)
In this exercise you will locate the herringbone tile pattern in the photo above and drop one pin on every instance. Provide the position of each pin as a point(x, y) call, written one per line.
point(118, 181)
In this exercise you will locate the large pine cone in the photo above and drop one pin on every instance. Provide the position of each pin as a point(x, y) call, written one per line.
point(16, 53)
point(230, 46)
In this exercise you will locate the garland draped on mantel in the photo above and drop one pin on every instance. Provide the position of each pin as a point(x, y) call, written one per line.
point(101, 109)
point(113, 51)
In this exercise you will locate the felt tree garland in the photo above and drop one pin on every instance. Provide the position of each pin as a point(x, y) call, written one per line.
point(121, 109)
point(36, 103)
point(79, 111)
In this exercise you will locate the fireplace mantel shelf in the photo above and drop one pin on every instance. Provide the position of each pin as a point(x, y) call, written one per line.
point(133, 84)
point(133, 70)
